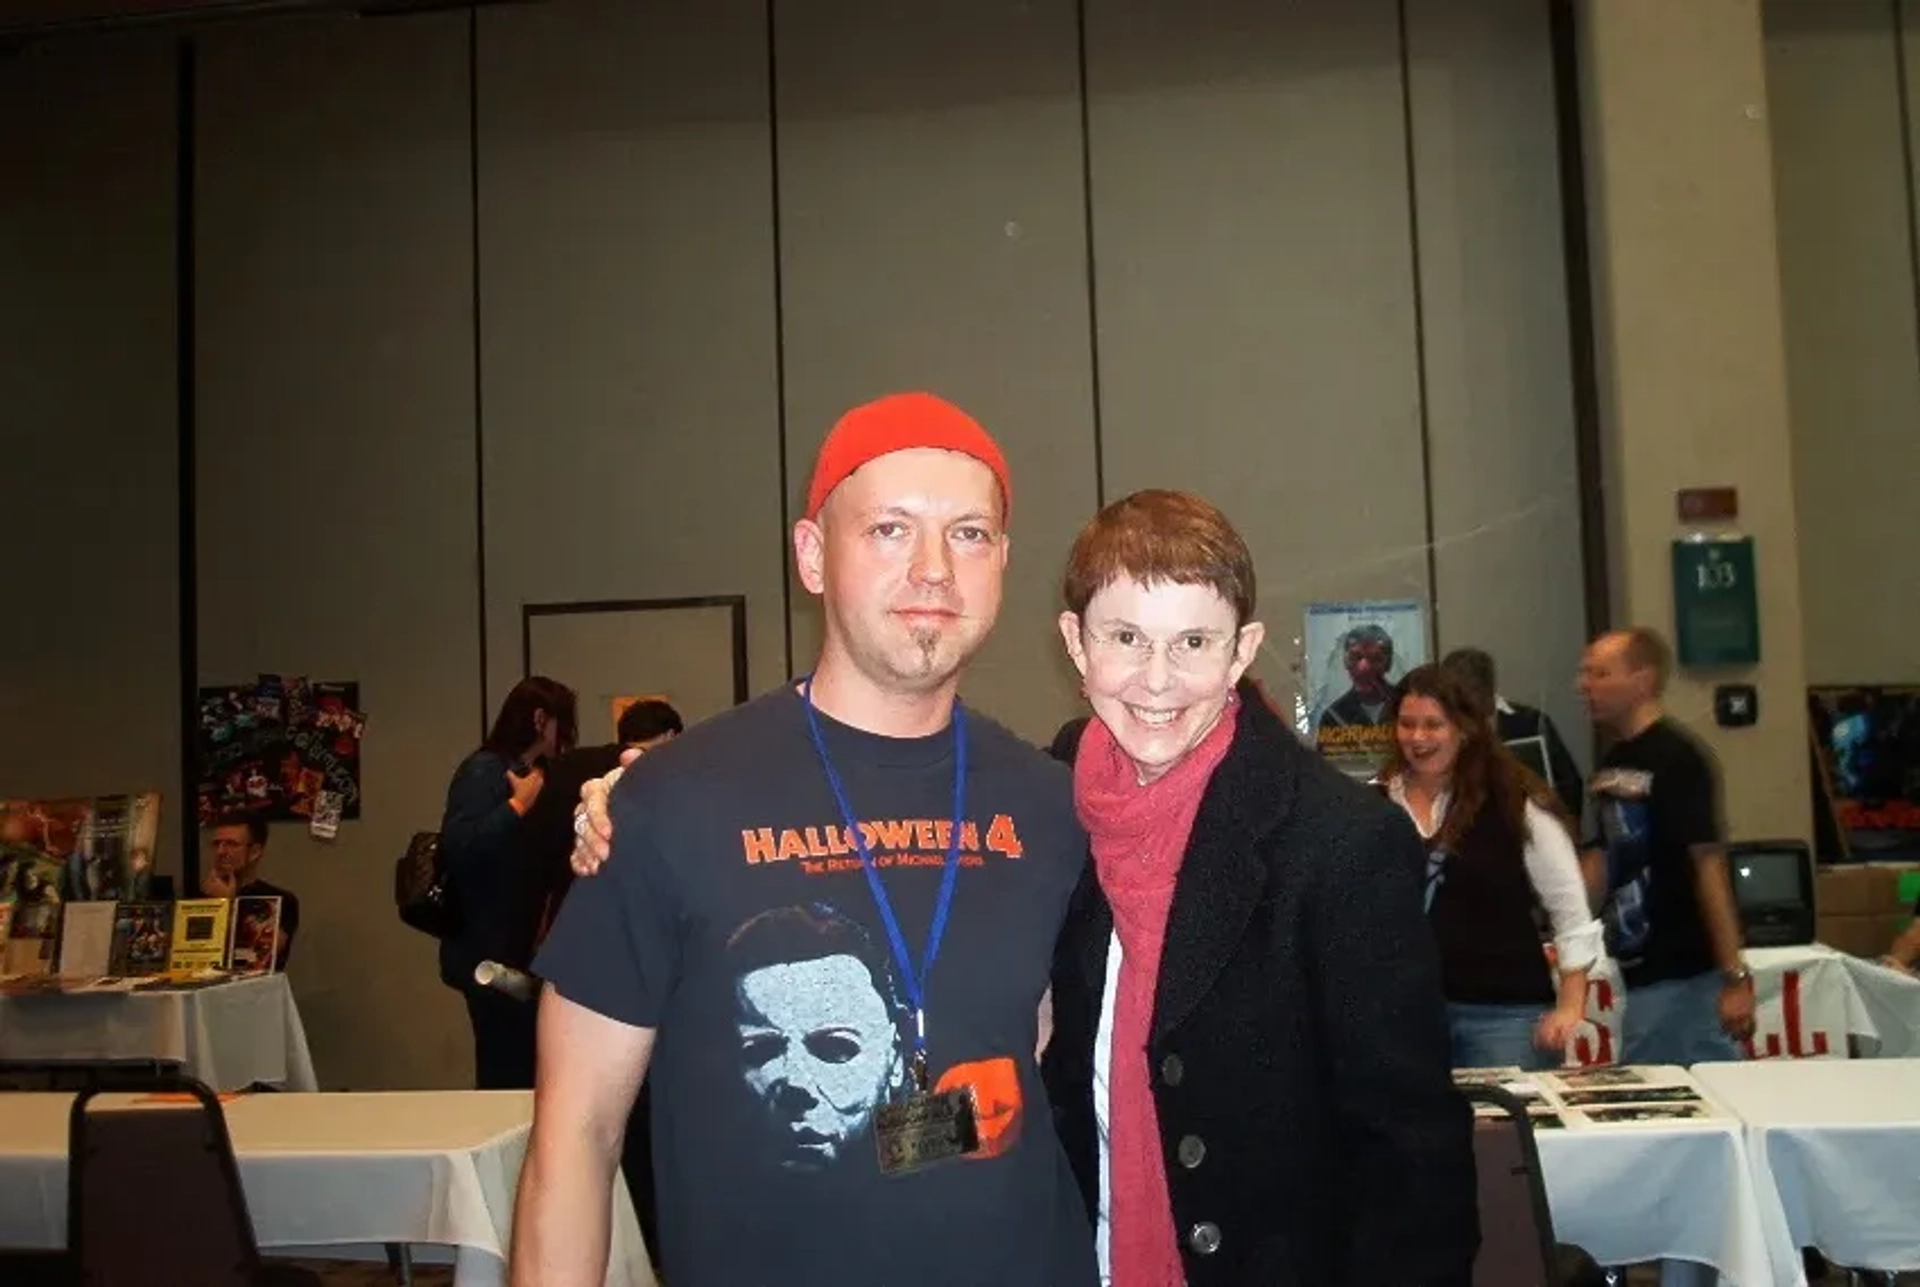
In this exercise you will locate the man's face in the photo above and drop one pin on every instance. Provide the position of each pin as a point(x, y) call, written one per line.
point(908, 557)
point(820, 1052)
point(1368, 661)
point(1609, 685)
point(234, 850)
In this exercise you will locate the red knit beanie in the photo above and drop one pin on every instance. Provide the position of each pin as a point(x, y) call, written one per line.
point(902, 422)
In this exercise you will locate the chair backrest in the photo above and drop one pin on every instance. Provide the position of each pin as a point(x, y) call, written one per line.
point(1516, 1229)
point(154, 1187)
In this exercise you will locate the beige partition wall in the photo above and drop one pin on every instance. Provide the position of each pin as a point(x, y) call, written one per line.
point(89, 655)
point(1503, 478)
point(931, 233)
point(1693, 378)
point(1255, 270)
point(337, 533)
point(1847, 275)
point(630, 413)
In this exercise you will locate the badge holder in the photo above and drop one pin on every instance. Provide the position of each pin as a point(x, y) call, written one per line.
point(925, 1128)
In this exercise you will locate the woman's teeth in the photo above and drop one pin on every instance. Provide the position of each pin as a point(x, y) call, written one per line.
point(1155, 719)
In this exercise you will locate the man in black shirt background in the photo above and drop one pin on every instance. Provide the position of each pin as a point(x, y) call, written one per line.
point(1657, 869)
point(238, 845)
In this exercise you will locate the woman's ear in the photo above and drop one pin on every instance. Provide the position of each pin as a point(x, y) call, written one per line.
point(1076, 646)
point(1246, 646)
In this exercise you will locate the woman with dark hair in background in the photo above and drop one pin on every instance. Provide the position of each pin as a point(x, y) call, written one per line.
point(1497, 845)
point(494, 875)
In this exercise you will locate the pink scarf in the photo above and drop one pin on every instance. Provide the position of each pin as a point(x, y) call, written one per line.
point(1139, 836)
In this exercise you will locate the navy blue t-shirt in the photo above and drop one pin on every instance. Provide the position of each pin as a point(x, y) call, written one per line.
point(733, 917)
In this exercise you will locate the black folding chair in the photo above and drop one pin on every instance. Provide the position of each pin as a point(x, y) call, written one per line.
point(1517, 1244)
point(153, 1194)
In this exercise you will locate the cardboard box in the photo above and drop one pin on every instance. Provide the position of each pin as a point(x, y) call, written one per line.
point(1863, 889)
point(1861, 935)
point(1842, 891)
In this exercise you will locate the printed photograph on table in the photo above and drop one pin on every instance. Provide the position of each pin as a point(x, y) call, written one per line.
point(1588, 1078)
point(83, 848)
point(272, 748)
point(1866, 744)
point(33, 930)
point(1355, 653)
point(256, 934)
point(199, 935)
point(1602, 1096)
point(1648, 1113)
point(142, 940)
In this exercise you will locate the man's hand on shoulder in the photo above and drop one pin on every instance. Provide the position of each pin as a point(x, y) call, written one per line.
point(592, 823)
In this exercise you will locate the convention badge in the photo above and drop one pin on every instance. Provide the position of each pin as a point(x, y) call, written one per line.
point(926, 1127)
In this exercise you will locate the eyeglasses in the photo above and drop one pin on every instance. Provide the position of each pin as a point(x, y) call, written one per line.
point(1197, 652)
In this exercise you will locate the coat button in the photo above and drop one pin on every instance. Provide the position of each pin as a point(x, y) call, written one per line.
point(1190, 1151)
point(1172, 1070)
point(1204, 1238)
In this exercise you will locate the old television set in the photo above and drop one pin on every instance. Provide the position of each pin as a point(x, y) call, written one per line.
point(1773, 888)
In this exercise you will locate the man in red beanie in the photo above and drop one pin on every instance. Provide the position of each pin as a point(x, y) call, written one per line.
point(824, 930)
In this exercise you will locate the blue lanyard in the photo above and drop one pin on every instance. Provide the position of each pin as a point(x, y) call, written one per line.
point(914, 981)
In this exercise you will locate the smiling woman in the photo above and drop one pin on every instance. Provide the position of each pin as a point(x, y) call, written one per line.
point(1249, 1027)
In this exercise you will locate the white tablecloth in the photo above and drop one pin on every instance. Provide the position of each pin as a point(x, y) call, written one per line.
point(1840, 1144)
point(229, 1035)
point(335, 1170)
point(1672, 1190)
point(1811, 1002)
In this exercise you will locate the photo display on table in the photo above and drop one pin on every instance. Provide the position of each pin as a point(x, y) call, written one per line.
point(1579, 1099)
point(273, 748)
point(137, 946)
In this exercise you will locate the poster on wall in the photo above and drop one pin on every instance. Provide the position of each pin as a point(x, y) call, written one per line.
point(76, 850)
point(1355, 653)
point(271, 749)
point(1866, 742)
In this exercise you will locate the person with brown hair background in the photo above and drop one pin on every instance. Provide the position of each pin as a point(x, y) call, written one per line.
point(1496, 844)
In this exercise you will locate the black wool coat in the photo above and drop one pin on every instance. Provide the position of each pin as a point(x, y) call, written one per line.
point(1299, 1046)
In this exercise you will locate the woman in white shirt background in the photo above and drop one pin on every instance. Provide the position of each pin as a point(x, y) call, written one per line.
point(1497, 847)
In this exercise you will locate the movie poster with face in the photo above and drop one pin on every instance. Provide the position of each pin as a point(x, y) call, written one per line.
point(1868, 745)
point(271, 748)
point(1355, 653)
point(80, 849)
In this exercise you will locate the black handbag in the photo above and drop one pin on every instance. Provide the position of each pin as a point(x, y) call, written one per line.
point(420, 887)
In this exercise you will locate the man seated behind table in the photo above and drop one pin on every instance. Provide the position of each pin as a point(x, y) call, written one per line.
point(238, 845)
